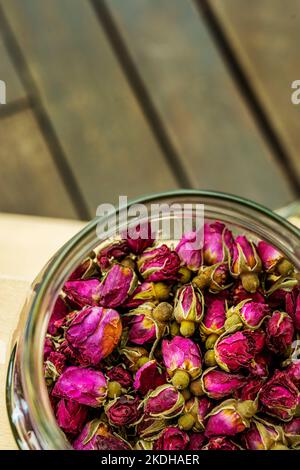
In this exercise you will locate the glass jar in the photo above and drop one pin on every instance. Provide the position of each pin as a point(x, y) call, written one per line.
point(29, 410)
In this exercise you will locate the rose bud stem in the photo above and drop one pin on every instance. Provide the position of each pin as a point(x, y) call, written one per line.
point(247, 408)
point(174, 329)
point(186, 394)
point(211, 341)
point(279, 447)
point(114, 389)
point(202, 280)
point(250, 282)
point(187, 328)
point(180, 379)
point(209, 358)
point(163, 312)
point(184, 275)
point(186, 422)
point(285, 267)
point(142, 361)
point(196, 388)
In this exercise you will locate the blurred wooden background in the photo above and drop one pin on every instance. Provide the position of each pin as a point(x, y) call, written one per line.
point(137, 96)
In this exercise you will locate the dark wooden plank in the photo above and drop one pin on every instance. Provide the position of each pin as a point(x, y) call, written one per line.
point(29, 181)
point(14, 88)
point(201, 107)
point(266, 38)
point(98, 121)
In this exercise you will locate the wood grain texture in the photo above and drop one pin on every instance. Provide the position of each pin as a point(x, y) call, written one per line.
point(100, 125)
point(201, 107)
point(14, 87)
point(29, 181)
point(266, 38)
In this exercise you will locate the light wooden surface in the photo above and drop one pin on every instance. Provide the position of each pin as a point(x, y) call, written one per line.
point(26, 244)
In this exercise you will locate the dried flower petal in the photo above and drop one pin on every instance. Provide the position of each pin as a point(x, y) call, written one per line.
point(164, 402)
point(182, 354)
point(117, 285)
point(139, 237)
point(83, 292)
point(220, 443)
point(149, 428)
point(198, 407)
point(60, 311)
point(269, 255)
point(262, 435)
point(292, 432)
point(215, 316)
point(172, 439)
point(96, 436)
point(196, 441)
point(218, 243)
point(189, 251)
point(148, 377)
point(293, 372)
point(280, 332)
point(219, 384)
point(71, 416)
point(226, 419)
point(116, 250)
point(123, 411)
point(292, 302)
point(121, 375)
point(159, 264)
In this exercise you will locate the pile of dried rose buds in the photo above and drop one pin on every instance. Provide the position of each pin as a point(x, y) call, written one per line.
point(154, 346)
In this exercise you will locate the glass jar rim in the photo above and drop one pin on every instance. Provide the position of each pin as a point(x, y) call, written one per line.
point(34, 388)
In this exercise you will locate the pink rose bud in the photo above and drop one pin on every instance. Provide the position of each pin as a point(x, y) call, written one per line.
point(93, 334)
point(148, 377)
point(172, 439)
point(164, 402)
point(215, 316)
point(292, 432)
point(196, 441)
point(218, 384)
point(83, 292)
point(188, 304)
point(252, 314)
point(250, 389)
point(96, 436)
point(142, 327)
point(116, 286)
point(85, 270)
point(189, 251)
point(280, 332)
point(54, 366)
point(149, 428)
point(148, 292)
point(140, 237)
point(85, 386)
point(182, 354)
point(59, 313)
point(239, 294)
point(220, 443)
point(71, 416)
point(159, 264)
point(123, 411)
point(218, 243)
point(260, 365)
point(279, 397)
point(262, 435)
point(237, 350)
point(292, 305)
point(229, 418)
point(121, 375)
point(293, 372)
point(246, 263)
point(113, 252)
point(269, 256)
point(198, 407)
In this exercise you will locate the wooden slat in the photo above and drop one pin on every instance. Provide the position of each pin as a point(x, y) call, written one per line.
point(100, 125)
point(266, 38)
point(14, 88)
point(29, 181)
point(204, 113)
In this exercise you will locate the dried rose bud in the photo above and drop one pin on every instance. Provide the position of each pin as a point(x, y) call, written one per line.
point(229, 418)
point(182, 354)
point(123, 411)
point(292, 304)
point(280, 332)
point(116, 286)
point(71, 416)
point(172, 438)
point(85, 270)
point(214, 277)
point(159, 264)
point(260, 365)
point(220, 443)
point(142, 327)
point(114, 251)
point(251, 314)
point(239, 294)
point(139, 237)
point(148, 377)
point(292, 432)
point(238, 350)
point(148, 292)
point(164, 402)
point(218, 243)
point(273, 260)
point(214, 317)
point(121, 375)
point(59, 313)
point(96, 436)
point(293, 372)
point(279, 397)
point(246, 263)
point(262, 435)
point(83, 292)
point(189, 251)
point(85, 386)
point(196, 441)
point(54, 366)
point(133, 355)
point(48, 348)
point(188, 304)
point(198, 407)
point(219, 384)
point(93, 334)
point(250, 389)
